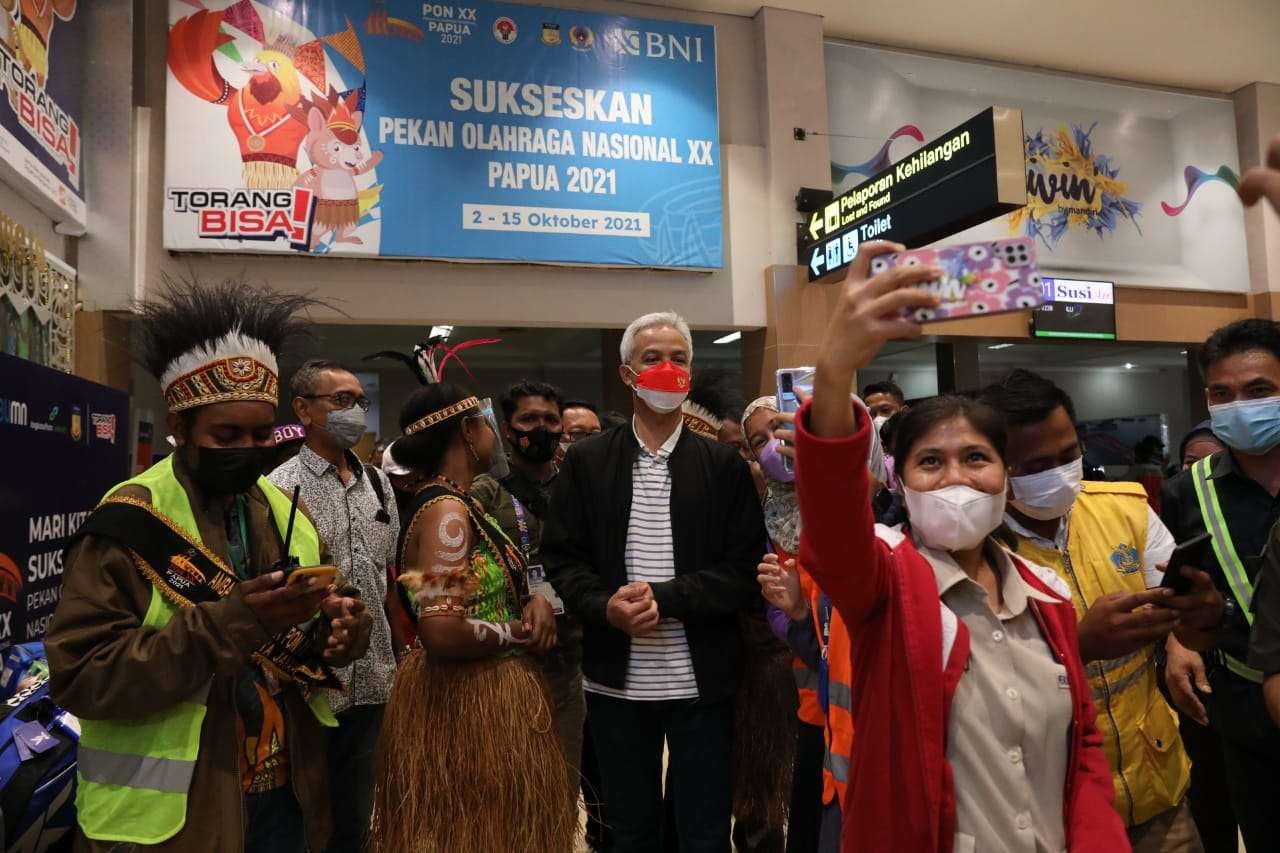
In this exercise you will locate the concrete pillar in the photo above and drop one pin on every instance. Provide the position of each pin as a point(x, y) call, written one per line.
point(1257, 123)
point(794, 95)
point(957, 366)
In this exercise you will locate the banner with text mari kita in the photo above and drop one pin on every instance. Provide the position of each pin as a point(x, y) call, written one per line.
point(469, 131)
point(66, 442)
point(41, 43)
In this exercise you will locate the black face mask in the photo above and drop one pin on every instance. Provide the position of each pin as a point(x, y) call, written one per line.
point(228, 470)
point(536, 445)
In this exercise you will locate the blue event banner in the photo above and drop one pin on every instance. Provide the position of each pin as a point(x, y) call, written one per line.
point(475, 131)
point(66, 444)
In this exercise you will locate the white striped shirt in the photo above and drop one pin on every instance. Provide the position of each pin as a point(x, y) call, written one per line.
point(659, 666)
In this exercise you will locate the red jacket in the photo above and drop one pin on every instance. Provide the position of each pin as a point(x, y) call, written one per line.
point(901, 795)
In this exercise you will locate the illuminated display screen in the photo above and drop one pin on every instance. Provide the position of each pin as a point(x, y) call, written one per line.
point(1076, 309)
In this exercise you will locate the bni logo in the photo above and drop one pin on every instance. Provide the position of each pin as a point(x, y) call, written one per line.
point(653, 45)
point(13, 412)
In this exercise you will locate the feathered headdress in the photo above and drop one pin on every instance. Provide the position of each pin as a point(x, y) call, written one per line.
point(217, 342)
point(712, 398)
point(430, 358)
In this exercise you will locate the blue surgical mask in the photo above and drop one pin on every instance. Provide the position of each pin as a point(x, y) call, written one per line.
point(1249, 426)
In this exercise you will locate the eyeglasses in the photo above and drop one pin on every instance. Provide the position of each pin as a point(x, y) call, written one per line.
point(579, 434)
point(343, 399)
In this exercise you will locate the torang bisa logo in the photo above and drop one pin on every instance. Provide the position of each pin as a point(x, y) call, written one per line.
point(238, 214)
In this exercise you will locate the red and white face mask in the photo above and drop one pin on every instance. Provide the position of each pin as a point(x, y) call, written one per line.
point(662, 387)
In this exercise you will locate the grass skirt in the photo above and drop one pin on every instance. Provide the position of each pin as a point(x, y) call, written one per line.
point(468, 761)
point(764, 734)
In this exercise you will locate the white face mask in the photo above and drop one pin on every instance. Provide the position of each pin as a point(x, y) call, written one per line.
point(1049, 494)
point(878, 421)
point(954, 518)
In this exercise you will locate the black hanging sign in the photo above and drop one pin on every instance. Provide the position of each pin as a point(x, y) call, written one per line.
point(966, 176)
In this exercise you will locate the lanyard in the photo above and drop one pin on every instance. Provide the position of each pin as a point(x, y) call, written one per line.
point(238, 546)
point(522, 527)
point(824, 634)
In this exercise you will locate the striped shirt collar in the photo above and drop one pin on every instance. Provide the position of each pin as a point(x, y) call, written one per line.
point(667, 446)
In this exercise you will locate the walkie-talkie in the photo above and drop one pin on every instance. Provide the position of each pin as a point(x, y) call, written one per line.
point(289, 564)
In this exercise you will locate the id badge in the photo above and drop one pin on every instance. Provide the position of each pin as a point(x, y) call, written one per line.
point(539, 585)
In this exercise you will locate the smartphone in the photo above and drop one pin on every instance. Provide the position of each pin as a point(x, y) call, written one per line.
point(979, 278)
point(790, 380)
point(1194, 553)
point(325, 574)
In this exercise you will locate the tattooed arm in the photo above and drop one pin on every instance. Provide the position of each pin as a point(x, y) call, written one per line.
point(442, 582)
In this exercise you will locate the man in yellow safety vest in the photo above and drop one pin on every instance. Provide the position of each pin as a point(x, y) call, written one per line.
point(194, 667)
point(1108, 545)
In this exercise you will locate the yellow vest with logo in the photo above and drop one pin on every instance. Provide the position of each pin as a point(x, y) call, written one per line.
point(1106, 537)
point(133, 776)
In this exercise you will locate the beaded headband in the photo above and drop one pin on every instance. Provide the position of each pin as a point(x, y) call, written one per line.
point(698, 419)
point(442, 415)
point(228, 379)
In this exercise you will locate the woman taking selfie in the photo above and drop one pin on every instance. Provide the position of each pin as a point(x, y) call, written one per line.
point(975, 726)
point(468, 758)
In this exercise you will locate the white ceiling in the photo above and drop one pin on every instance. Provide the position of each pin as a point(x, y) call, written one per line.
point(1193, 44)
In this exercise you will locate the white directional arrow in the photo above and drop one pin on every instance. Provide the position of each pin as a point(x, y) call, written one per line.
point(818, 259)
point(815, 225)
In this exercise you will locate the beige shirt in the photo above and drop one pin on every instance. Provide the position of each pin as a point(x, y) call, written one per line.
point(1007, 733)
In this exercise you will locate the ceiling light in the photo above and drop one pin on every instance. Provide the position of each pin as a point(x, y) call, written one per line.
point(1184, 352)
point(729, 338)
point(1129, 365)
point(1000, 346)
point(441, 331)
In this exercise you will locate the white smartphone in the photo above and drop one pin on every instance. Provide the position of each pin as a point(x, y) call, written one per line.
point(791, 380)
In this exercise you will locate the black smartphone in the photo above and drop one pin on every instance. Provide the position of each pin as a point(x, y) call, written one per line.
point(1194, 553)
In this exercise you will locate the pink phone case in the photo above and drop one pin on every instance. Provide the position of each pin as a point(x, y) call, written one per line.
point(981, 278)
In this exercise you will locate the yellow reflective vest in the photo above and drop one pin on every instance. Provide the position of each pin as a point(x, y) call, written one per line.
point(1106, 536)
point(133, 776)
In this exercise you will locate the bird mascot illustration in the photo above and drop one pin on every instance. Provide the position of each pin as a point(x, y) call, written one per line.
point(261, 111)
point(27, 36)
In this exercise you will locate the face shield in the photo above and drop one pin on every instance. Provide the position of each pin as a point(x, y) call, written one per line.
point(499, 468)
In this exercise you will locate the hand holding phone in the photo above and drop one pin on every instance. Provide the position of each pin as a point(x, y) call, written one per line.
point(979, 278)
point(1193, 553)
point(324, 575)
point(280, 605)
point(793, 384)
point(1198, 601)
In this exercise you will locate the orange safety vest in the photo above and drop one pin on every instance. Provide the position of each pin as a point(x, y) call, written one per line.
point(806, 679)
point(837, 652)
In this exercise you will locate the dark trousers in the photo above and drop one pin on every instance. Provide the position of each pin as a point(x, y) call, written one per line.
point(352, 747)
point(832, 823)
point(1210, 804)
point(1251, 754)
point(628, 740)
point(598, 836)
point(273, 823)
point(805, 819)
